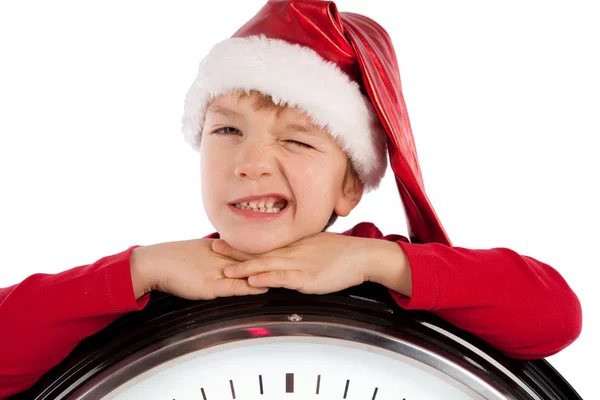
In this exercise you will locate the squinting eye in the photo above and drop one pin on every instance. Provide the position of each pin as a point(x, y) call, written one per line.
point(227, 130)
point(300, 144)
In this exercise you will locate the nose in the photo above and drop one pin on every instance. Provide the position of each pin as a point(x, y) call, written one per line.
point(255, 162)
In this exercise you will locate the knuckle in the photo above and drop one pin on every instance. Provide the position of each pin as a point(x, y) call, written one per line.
point(266, 261)
point(282, 275)
point(237, 286)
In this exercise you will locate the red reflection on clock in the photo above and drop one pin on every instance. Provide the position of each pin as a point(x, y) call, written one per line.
point(258, 331)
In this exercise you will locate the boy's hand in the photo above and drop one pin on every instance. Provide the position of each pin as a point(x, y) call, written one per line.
point(188, 269)
point(319, 264)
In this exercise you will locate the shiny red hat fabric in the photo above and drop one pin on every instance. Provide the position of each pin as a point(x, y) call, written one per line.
point(362, 49)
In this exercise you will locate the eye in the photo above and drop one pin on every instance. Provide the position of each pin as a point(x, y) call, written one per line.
point(227, 130)
point(306, 146)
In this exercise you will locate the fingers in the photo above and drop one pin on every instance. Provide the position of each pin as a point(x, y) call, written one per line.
point(288, 279)
point(223, 248)
point(235, 287)
point(257, 266)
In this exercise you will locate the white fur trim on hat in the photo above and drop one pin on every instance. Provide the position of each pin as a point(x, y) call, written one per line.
point(298, 76)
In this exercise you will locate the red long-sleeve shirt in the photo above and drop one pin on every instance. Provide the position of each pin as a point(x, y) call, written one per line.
point(519, 305)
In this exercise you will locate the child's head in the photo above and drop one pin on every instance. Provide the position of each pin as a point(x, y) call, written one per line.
point(253, 147)
point(300, 103)
point(270, 117)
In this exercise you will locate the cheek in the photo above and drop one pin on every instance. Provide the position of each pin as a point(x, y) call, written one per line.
point(313, 186)
point(210, 172)
point(213, 154)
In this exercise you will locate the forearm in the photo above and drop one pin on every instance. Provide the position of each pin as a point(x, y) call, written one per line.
point(388, 265)
point(516, 303)
point(46, 316)
point(520, 305)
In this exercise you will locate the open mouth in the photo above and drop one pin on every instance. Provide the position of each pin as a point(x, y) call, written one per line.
point(268, 205)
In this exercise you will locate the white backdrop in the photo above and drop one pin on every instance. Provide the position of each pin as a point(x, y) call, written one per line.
point(503, 99)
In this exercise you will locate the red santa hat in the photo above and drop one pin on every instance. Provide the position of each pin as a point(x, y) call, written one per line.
point(341, 69)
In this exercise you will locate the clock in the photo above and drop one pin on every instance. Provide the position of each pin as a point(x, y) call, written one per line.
point(356, 345)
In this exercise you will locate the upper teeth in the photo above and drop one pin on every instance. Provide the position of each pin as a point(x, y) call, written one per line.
point(263, 205)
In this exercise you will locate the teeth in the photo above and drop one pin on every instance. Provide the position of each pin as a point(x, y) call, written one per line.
point(269, 210)
point(269, 205)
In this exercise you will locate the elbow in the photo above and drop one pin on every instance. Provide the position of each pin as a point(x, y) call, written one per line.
point(558, 331)
point(570, 323)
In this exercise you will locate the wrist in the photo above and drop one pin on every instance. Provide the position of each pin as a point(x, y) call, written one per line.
point(140, 277)
point(388, 265)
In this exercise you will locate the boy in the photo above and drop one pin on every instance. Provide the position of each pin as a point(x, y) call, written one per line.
point(292, 127)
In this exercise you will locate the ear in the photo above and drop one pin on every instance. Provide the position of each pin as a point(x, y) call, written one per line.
point(350, 196)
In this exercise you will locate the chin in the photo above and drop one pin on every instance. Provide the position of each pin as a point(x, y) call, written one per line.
point(255, 244)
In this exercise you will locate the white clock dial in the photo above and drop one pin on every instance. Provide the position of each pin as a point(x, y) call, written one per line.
point(295, 368)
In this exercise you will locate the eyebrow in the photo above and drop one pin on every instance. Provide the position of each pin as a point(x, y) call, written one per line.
point(227, 112)
point(300, 128)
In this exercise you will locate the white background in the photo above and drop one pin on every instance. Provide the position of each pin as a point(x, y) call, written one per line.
point(503, 99)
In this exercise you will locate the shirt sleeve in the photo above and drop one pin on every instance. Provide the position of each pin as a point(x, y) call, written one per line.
point(519, 305)
point(44, 317)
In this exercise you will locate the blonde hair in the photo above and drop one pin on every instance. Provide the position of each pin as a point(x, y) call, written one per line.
point(261, 101)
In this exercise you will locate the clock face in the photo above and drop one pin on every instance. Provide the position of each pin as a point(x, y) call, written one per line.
point(295, 368)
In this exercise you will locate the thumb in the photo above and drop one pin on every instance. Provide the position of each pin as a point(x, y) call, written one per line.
point(223, 248)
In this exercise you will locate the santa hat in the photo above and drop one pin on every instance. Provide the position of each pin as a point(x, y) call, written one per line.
point(341, 69)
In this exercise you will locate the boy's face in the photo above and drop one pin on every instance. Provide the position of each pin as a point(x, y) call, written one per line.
point(275, 159)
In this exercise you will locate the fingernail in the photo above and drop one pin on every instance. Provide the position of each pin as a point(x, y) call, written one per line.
point(229, 270)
